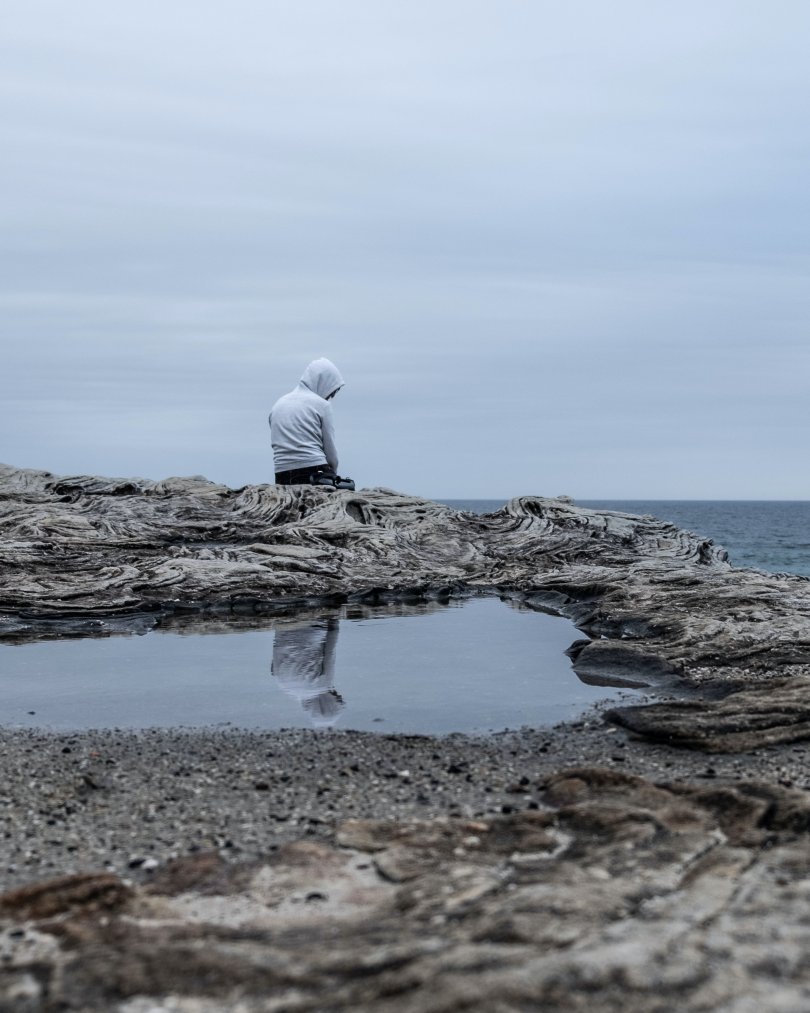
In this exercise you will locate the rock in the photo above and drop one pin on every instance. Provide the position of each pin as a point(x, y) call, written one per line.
point(764, 714)
point(621, 895)
point(660, 607)
point(86, 892)
point(131, 552)
point(598, 888)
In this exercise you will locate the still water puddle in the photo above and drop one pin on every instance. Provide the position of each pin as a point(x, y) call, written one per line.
point(476, 666)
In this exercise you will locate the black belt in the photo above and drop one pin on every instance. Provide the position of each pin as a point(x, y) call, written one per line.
point(303, 476)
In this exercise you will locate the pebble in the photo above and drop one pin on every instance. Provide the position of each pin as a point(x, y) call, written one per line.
point(246, 793)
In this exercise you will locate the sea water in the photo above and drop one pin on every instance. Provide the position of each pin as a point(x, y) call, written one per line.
point(475, 666)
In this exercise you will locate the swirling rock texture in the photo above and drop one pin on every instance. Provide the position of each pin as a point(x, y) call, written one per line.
point(611, 891)
point(659, 606)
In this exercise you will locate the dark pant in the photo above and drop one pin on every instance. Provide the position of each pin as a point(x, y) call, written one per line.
point(301, 476)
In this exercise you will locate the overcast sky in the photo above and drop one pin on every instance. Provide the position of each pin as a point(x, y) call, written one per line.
point(552, 247)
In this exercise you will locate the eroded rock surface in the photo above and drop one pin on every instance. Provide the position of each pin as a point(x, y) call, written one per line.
point(593, 888)
point(660, 606)
point(764, 714)
point(618, 894)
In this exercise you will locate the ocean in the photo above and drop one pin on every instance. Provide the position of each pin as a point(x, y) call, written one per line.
point(763, 534)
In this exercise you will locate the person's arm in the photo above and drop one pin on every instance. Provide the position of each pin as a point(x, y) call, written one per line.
point(328, 432)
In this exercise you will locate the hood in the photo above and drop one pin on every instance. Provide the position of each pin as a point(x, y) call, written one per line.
point(322, 377)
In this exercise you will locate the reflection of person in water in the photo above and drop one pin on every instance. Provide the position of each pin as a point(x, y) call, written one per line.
point(304, 664)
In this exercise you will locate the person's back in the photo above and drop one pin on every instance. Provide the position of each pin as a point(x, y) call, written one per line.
point(302, 430)
point(304, 665)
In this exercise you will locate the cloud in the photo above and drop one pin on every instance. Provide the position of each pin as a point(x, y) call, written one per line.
point(560, 241)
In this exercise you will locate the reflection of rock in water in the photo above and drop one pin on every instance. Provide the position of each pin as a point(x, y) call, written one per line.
point(304, 665)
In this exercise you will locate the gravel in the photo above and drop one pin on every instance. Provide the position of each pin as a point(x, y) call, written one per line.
point(130, 801)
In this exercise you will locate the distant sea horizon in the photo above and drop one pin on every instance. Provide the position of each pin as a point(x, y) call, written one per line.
point(771, 535)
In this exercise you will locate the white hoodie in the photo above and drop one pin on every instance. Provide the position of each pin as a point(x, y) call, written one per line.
point(304, 665)
point(301, 428)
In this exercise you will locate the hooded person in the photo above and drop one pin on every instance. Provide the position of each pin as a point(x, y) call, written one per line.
point(302, 431)
point(304, 667)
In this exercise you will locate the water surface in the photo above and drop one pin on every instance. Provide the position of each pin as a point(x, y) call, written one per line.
point(477, 666)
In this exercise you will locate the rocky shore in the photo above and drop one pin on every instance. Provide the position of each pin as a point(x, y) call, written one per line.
point(648, 858)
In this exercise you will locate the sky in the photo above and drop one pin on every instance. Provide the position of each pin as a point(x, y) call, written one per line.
point(554, 248)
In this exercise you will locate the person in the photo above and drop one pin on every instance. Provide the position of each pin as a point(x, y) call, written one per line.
point(304, 666)
point(302, 431)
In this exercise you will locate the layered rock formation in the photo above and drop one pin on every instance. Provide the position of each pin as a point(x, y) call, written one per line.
point(603, 890)
point(659, 606)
